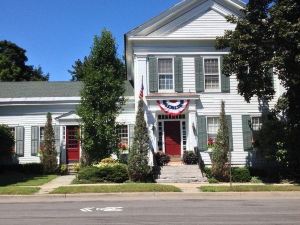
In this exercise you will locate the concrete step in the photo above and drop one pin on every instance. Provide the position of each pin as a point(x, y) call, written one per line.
point(71, 169)
point(182, 180)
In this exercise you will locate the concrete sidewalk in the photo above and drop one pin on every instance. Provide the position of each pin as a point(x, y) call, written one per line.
point(55, 183)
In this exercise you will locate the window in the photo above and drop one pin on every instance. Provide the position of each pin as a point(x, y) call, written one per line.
point(13, 131)
point(165, 74)
point(212, 128)
point(42, 137)
point(256, 123)
point(122, 131)
point(211, 73)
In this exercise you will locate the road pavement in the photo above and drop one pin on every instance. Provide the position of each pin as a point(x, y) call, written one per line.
point(152, 209)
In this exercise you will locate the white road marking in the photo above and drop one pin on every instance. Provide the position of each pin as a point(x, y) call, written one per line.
point(105, 209)
point(88, 209)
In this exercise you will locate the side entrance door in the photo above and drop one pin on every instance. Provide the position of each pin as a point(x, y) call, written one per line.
point(72, 143)
point(172, 138)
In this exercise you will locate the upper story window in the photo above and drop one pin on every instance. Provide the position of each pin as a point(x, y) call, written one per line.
point(165, 74)
point(212, 128)
point(256, 123)
point(211, 73)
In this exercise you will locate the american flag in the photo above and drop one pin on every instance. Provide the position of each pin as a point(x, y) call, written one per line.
point(142, 90)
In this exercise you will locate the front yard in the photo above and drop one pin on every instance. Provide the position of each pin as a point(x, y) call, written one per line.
point(116, 188)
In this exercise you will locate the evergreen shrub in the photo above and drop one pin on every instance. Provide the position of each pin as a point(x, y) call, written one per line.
point(240, 174)
point(190, 158)
point(161, 158)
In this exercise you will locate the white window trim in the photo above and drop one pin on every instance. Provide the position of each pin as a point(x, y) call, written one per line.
point(256, 116)
point(173, 74)
point(219, 65)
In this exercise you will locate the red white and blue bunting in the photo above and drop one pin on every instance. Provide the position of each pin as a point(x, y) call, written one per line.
point(173, 107)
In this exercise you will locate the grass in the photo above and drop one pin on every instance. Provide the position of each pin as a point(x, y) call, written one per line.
point(250, 188)
point(13, 190)
point(20, 179)
point(131, 187)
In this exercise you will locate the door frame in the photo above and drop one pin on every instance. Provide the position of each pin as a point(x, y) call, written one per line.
point(181, 132)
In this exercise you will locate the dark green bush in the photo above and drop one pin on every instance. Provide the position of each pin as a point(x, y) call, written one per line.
point(207, 172)
point(29, 168)
point(190, 158)
point(161, 158)
point(116, 173)
point(240, 174)
point(63, 169)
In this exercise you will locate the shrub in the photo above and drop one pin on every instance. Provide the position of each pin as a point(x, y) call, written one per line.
point(212, 180)
point(116, 173)
point(77, 167)
point(108, 160)
point(240, 174)
point(63, 169)
point(207, 172)
point(29, 168)
point(255, 180)
point(161, 158)
point(6, 144)
point(190, 158)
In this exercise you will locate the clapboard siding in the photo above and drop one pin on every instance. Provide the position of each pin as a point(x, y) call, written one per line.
point(211, 23)
point(188, 74)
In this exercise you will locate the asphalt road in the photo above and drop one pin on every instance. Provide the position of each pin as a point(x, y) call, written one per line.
point(152, 211)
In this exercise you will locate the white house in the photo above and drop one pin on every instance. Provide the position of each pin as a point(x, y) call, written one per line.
point(173, 55)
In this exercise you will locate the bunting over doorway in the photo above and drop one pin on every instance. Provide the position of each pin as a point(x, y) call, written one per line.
point(173, 107)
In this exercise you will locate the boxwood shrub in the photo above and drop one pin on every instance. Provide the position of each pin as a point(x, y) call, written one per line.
point(240, 174)
point(190, 158)
point(115, 173)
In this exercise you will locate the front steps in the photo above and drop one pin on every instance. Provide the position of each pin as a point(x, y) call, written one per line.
point(180, 173)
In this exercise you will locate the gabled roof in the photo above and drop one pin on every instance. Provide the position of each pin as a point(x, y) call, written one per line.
point(33, 89)
point(176, 11)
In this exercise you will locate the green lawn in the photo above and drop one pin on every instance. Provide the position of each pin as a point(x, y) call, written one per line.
point(132, 187)
point(19, 179)
point(13, 190)
point(249, 188)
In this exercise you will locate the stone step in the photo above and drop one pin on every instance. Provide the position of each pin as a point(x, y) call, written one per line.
point(182, 180)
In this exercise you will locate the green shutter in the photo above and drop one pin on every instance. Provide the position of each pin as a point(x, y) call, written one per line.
point(199, 76)
point(153, 78)
point(130, 134)
point(34, 140)
point(178, 74)
point(229, 124)
point(20, 141)
point(247, 132)
point(202, 133)
point(225, 81)
point(57, 137)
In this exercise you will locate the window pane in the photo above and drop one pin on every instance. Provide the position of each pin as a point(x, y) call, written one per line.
point(165, 66)
point(256, 123)
point(212, 127)
point(122, 132)
point(165, 82)
point(211, 66)
point(211, 81)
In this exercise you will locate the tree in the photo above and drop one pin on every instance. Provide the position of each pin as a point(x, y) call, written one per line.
point(138, 167)
point(7, 142)
point(267, 37)
point(48, 153)
point(221, 149)
point(13, 65)
point(101, 98)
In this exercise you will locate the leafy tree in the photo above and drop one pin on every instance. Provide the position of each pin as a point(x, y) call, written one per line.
point(138, 167)
point(49, 154)
point(101, 98)
point(13, 65)
point(7, 142)
point(221, 149)
point(267, 37)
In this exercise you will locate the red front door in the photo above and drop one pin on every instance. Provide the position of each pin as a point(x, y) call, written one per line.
point(72, 143)
point(172, 138)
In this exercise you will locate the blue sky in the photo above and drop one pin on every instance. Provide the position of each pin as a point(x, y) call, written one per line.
point(57, 32)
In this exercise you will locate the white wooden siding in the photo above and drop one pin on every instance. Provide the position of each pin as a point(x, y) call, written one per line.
point(188, 74)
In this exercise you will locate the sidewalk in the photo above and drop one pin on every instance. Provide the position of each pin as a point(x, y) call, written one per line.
point(55, 183)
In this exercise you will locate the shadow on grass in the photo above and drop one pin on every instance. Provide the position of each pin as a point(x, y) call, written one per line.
point(21, 179)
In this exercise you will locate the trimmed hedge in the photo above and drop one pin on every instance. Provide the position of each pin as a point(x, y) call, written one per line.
point(29, 168)
point(115, 173)
point(239, 174)
point(161, 158)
